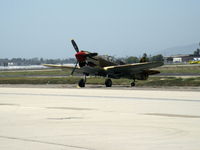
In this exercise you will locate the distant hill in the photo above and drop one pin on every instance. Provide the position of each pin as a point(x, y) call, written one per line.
point(187, 49)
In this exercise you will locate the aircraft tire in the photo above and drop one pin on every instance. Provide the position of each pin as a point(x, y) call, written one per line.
point(108, 82)
point(132, 84)
point(81, 83)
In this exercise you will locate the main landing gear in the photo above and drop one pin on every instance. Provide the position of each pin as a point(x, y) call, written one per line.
point(82, 82)
point(133, 83)
point(108, 82)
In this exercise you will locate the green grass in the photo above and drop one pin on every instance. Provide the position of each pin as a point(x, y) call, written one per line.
point(151, 82)
point(37, 80)
point(25, 77)
point(49, 72)
point(176, 69)
point(170, 81)
point(180, 69)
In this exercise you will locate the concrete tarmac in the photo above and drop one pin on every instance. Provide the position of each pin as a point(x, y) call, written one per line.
point(99, 119)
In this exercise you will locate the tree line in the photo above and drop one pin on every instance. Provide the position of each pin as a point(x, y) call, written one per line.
point(34, 61)
point(144, 58)
point(40, 61)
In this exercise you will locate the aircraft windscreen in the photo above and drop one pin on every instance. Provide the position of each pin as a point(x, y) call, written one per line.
point(113, 59)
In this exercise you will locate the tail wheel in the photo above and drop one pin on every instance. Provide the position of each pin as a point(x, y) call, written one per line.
point(108, 82)
point(81, 83)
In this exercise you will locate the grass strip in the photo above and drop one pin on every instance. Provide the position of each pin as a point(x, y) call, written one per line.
point(151, 82)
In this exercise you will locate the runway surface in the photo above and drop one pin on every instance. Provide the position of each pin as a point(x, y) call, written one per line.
point(99, 119)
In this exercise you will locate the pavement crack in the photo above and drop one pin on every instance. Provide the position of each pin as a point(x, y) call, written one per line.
point(43, 142)
point(171, 115)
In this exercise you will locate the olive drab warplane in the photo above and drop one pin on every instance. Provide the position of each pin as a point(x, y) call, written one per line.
point(92, 64)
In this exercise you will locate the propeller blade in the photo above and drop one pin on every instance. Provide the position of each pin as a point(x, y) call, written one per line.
point(75, 46)
point(74, 68)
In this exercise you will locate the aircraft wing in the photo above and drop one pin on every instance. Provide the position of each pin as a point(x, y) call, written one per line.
point(138, 67)
point(85, 69)
point(65, 67)
point(60, 66)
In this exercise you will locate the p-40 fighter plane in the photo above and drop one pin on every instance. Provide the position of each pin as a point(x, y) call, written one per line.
point(92, 64)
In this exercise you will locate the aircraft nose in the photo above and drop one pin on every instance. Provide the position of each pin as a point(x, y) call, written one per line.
point(80, 56)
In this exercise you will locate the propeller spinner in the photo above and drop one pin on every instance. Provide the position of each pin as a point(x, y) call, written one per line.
point(81, 56)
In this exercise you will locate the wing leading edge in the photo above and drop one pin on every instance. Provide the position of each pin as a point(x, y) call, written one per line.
point(59, 66)
point(85, 69)
point(133, 67)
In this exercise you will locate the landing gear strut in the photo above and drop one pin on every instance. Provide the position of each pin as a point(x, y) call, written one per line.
point(108, 82)
point(133, 83)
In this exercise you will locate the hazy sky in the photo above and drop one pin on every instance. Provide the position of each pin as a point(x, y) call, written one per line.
point(44, 28)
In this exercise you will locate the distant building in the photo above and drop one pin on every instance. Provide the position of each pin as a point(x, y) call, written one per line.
point(181, 58)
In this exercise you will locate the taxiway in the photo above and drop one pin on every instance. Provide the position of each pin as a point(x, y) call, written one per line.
point(99, 119)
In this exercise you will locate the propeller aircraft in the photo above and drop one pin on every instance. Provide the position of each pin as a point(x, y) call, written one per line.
point(89, 63)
